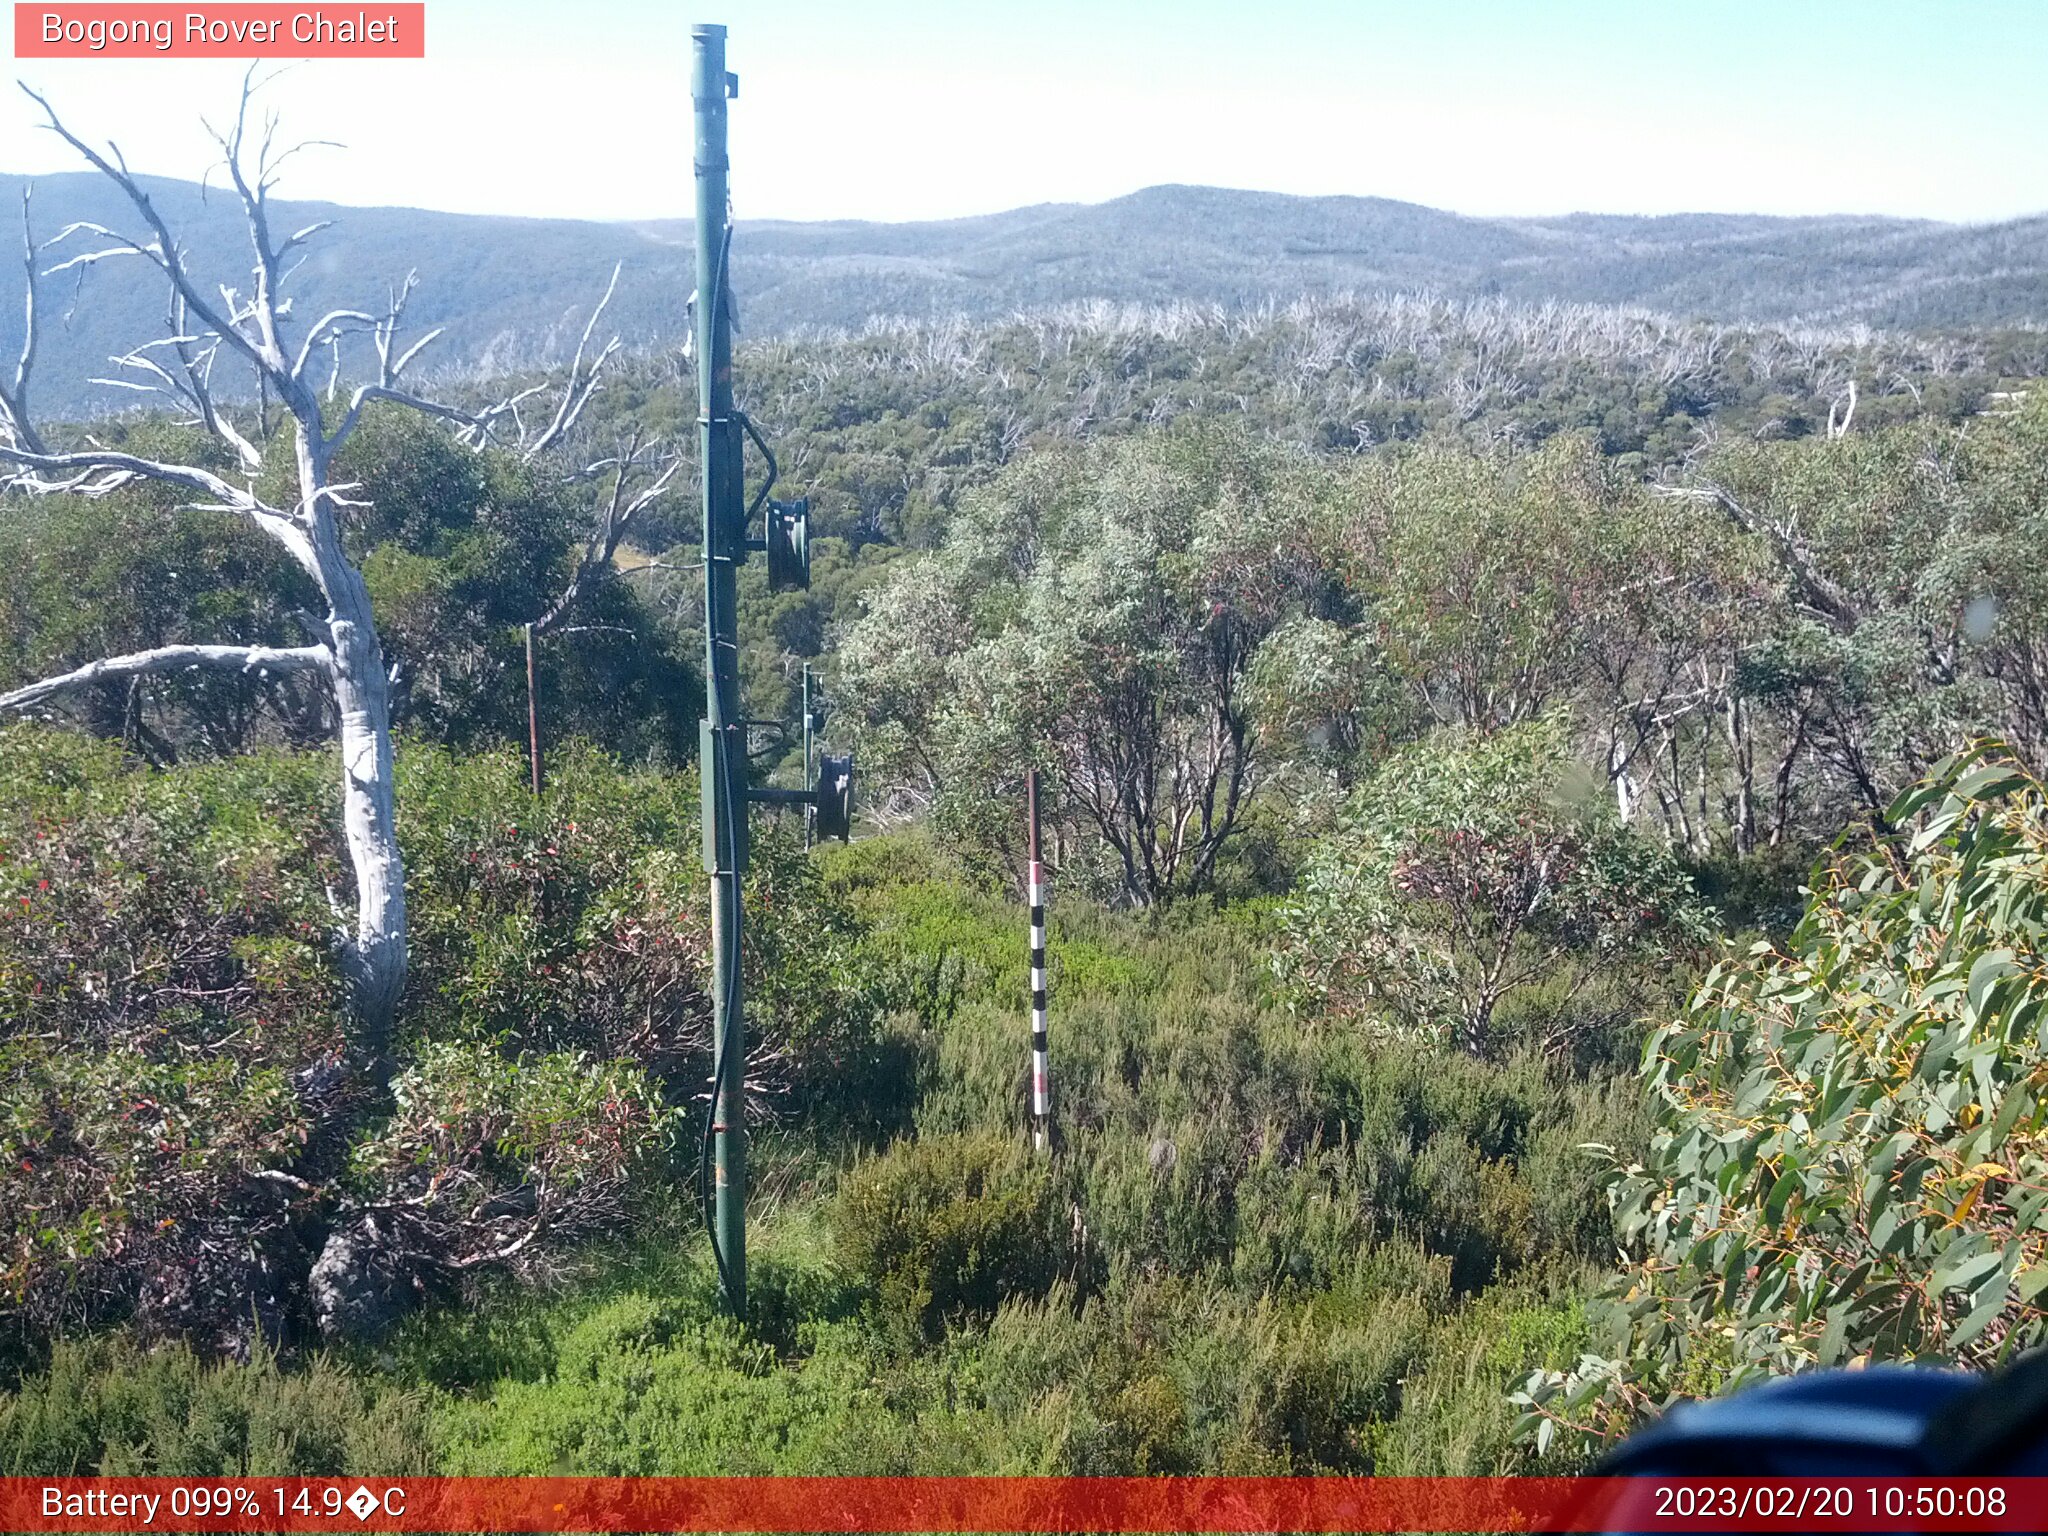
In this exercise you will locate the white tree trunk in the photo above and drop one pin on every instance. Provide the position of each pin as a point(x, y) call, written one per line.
point(375, 954)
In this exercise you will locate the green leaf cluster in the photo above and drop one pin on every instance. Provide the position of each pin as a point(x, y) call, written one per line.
point(1851, 1158)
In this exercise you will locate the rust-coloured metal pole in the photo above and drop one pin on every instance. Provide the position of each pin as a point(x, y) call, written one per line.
point(532, 715)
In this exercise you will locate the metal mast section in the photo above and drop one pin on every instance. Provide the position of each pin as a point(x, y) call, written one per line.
point(722, 739)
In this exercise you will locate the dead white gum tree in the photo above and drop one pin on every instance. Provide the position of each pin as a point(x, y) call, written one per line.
point(207, 326)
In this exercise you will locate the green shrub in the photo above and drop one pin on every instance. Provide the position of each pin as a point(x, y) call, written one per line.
point(948, 1226)
point(109, 1408)
point(122, 1170)
point(1455, 1418)
point(1171, 1373)
point(176, 1121)
point(488, 1160)
point(163, 974)
point(1467, 871)
point(641, 1388)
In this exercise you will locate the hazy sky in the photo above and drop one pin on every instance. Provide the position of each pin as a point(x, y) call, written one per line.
point(898, 109)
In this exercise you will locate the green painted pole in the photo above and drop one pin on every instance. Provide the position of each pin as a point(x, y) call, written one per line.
point(722, 738)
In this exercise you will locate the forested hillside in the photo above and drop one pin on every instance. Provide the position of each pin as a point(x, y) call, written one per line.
point(1512, 770)
point(514, 292)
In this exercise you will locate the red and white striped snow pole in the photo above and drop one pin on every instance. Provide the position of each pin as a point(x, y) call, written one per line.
point(1041, 1081)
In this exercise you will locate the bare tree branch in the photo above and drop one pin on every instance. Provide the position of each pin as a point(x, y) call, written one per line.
point(476, 426)
point(264, 306)
point(581, 383)
point(173, 658)
point(479, 427)
point(331, 327)
point(387, 334)
point(192, 385)
point(1819, 592)
point(97, 471)
point(615, 515)
point(165, 252)
point(14, 401)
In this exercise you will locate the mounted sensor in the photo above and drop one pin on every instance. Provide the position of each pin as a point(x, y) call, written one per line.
point(833, 797)
point(787, 538)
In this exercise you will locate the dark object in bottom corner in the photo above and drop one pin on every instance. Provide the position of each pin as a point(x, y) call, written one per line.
point(1886, 1421)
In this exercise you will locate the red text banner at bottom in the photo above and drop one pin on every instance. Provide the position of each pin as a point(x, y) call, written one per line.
point(1000, 1504)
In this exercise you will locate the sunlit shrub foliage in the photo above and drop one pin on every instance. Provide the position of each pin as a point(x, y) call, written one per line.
point(1851, 1155)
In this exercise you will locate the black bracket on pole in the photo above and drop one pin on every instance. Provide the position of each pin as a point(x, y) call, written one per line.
point(785, 528)
point(830, 799)
point(753, 507)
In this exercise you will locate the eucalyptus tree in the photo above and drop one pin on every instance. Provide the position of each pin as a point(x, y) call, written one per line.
point(1911, 601)
point(1095, 611)
point(1999, 578)
point(1479, 575)
point(1502, 586)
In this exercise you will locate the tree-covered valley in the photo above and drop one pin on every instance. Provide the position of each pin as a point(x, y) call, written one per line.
point(1549, 869)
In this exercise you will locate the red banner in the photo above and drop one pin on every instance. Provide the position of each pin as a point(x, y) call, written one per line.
point(239, 31)
point(1007, 1504)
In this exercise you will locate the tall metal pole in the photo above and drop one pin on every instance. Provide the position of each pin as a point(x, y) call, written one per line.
point(1041, 1071)
point(721, 740)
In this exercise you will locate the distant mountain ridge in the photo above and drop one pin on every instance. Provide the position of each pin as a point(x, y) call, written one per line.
point(513, 292)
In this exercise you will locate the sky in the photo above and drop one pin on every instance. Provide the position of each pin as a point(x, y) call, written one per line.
point(916, 109)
